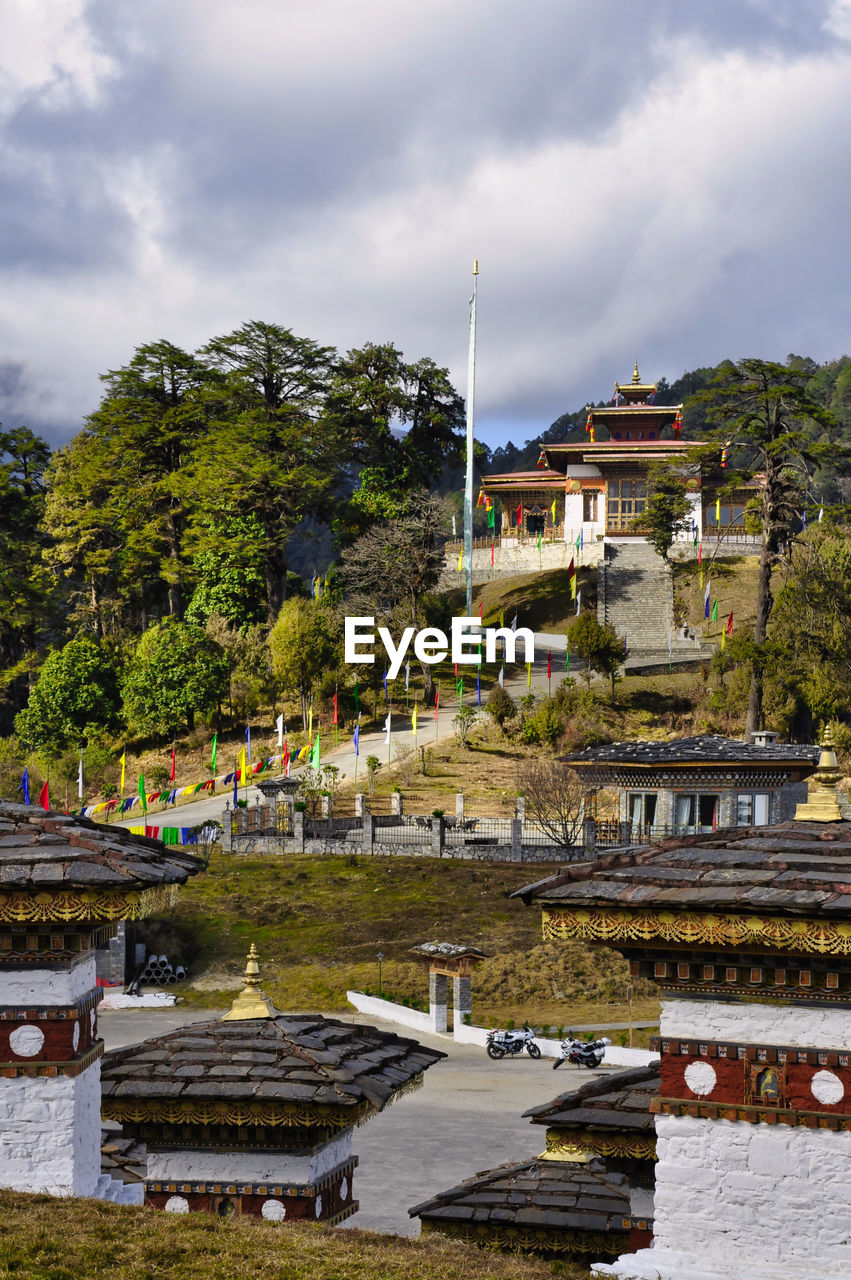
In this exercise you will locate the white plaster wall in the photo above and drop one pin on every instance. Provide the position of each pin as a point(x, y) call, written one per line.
point(50, 1133)
point(391, 1012)
point(247, 1166)
point(795, 1026)
point(47, 986)
point(572, 515)
point(735, 1199)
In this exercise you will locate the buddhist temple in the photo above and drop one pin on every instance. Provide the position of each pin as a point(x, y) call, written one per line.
point(588, 1195)
point(65, 883)
point(254, 1113)
point(747, 932)
point(593, 489)
point(689, 785)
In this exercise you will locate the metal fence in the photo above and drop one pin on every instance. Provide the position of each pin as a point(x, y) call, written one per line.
point(399, 829)
point(347, 828)
point(464, 831)
point(534, 833)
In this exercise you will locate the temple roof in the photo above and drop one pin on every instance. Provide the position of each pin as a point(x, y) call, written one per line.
point(705, 748)
point(298, 1060)
point(447, 950)
point(620, 1101)
point(791, 868)
point(52, 852)
point(534, 1193)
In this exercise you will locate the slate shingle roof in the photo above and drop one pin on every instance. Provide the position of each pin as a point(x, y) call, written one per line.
point(791, 868)
point(53, 852)
point(535, 1193)
point(706, 748)
point(291, 1059)
point(620, 1101)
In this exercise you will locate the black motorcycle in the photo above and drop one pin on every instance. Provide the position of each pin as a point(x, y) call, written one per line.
point(582, 1053)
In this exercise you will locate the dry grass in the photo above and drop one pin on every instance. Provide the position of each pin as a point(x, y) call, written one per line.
point(42, 1238)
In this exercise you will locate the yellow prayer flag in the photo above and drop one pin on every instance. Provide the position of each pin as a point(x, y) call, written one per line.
point(414, 721)
point(553, 510)
point(528, 675)
point(242, 768)
point(573, 586)
point(310, 721)
point(461, 560)
point(123, 762)
point(717, 510)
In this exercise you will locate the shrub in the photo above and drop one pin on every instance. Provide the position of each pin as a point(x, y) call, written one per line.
point(500, 705)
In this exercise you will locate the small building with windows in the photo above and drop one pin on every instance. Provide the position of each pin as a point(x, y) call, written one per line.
point(697, 784)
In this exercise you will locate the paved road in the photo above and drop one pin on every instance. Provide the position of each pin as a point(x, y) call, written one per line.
point(373, 744)
point(466, 1118)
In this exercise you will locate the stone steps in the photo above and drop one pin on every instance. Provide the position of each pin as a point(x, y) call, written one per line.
point(635, 596)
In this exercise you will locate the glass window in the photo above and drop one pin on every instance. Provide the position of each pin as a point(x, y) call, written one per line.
point(752, 809)
point(693, 813)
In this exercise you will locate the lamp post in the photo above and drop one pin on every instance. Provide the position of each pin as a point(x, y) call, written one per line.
point(380, 958)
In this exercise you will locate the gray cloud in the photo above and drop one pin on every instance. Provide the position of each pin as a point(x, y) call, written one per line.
point(656, 180)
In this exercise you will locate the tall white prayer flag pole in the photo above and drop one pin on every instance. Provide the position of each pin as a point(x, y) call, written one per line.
point(468, 483)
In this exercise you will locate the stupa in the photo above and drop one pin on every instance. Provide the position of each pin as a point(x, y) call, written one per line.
point(254, 1113)
point(65, 883)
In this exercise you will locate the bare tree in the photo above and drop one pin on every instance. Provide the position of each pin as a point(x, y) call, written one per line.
point(554, 798)
point(394, 565)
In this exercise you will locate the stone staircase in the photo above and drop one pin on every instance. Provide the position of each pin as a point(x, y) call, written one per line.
point(635, 595)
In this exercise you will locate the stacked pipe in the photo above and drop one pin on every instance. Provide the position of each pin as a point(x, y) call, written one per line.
point(159, 972)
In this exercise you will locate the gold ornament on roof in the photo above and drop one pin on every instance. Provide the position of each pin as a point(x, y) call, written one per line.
point(251, 1002)
point(821, 804)
point(636, 377)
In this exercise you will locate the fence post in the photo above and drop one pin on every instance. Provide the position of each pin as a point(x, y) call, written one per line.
point(360, 807)
point(325, 802)
point(367, 832)
point(437, 827)
point(298, 830)
point(227, 831)
point(459, 805)
point(589, 835)
point(517, 838)
point(396, 803)
point(520, 808)
point(625, 832)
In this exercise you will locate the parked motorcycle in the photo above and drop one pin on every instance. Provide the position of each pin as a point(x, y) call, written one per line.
point(501, 1043)
point(582, 1053)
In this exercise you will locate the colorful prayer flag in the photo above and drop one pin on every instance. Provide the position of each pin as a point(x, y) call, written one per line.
point(549, 665)
point(242, 766)
point(143, 795)
point(285, 759)
point(122, 761)
point(171, 776)
point(718, 510)
point(528, 675)
point(518, 515)
point(478, 689)
point(44, 797)
point(315, 756)
point(493, 543)
point(215, 752)
point(553, 510)
point(714, 616)
point(578, 602)
point(357, 738)
point(80, 779)
point(730, 624)
point(492, 516)
point(414, 720)
point(334, 704)
point(461, 561)
point(501, 677)
point(706, 596)
point(279, 724)
point(25, 785)
point(387, 729)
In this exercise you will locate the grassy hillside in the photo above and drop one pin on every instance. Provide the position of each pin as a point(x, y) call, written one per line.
point(42, 1238)
point(319, 923)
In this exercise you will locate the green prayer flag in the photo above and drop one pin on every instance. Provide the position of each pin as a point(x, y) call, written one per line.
point(539, 540)
point(314, 753)
point(714, 617)
point(491, 514)
point(215, 751)
point(143, 794)
point(460, 688)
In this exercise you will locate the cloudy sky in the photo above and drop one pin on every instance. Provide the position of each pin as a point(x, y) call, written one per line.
point(667, 180)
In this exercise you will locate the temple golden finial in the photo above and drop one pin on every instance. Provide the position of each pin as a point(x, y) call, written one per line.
point(821, 804)
point(251, 1002)
point(636, 377)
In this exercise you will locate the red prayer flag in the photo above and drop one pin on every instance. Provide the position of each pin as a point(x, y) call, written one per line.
point(700, 553)
point(571, 568)
point(519, 515)
point(44, 797)
point(456, 670)
point(730, 624)
point(334, 701)
point(436, 701)
point(481, 606)
point(172, 762)
point(285, 759)
point(549, 665)
point(492, 546)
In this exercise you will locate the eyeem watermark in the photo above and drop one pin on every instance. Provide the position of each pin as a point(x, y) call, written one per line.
point(433, 645)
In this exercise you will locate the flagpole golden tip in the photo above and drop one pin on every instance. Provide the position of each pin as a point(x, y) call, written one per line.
point(475, 266)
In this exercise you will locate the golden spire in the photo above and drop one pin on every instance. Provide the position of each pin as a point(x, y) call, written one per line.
point(635, 374)
point(251, 1002)
point(821, 804)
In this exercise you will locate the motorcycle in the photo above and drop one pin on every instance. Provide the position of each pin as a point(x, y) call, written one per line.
point(582, 1053)
point(500, 1043)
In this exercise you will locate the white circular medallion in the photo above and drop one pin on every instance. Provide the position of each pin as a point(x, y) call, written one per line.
point(700, 1078)
point(274, 1211)
point(344, 1189)
point(827, 1088)
point(176, 1204)
point(26, 1042)
point(319, 1206)
point(75, 1038)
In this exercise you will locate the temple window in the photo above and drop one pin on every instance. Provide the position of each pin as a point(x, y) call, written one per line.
point(752, 809)
point(589, 506)
point(642, 809)
point(625, 499)
point(695, 813)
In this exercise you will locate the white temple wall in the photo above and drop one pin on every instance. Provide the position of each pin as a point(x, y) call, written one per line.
point(50, 1133)
point(45, 986)
point(794, 1026)
point(746, 1200)
point(572, 515)
point(194, 1165)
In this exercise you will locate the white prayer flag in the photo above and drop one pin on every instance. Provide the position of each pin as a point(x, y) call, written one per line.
point(501, 676)
point(387, 730)
point(407, 675)
point(578, 602)
point(279, 725)
point(80, 779)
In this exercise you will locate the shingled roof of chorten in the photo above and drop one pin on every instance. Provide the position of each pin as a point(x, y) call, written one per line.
point(618, 1101)
point(534, 1196)
point(53, 852)
point(284, 1062)
point(704, 748)
point(790, 868)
